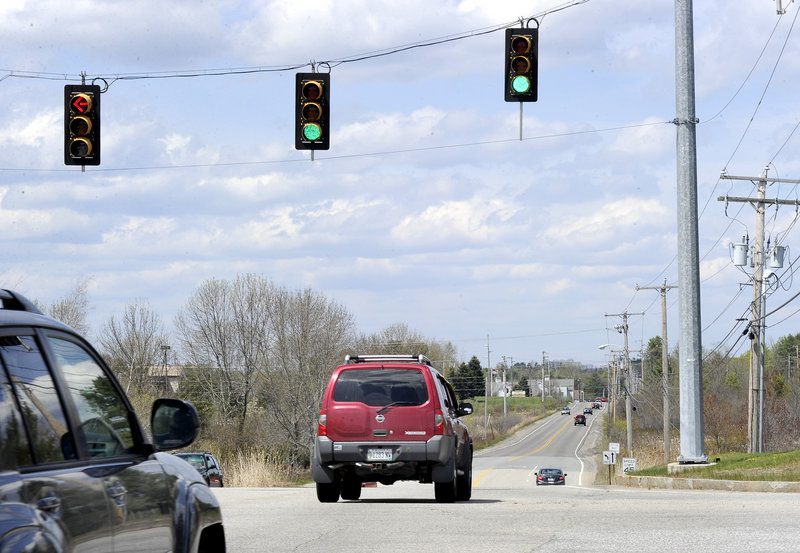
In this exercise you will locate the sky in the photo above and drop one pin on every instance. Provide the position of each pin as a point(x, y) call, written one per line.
point(427, 209)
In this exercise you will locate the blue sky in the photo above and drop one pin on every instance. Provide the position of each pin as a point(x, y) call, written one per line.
point(427, 209)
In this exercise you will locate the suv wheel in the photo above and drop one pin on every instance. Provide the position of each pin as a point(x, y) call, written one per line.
point(329, 493)
point(351, 489)
point(464, 482)
point(445, 492)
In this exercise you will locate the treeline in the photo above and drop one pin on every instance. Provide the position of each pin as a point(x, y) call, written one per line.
point(253, 356)
point(725, 396)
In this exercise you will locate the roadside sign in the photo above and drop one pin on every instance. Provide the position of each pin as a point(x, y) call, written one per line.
point(613, 447)
point(609, 458)
point(628, 464)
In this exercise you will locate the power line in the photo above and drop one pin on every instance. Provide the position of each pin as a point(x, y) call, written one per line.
point(182, 74)
point(344, 156)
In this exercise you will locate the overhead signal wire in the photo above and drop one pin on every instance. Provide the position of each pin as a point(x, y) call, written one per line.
point(289, 67)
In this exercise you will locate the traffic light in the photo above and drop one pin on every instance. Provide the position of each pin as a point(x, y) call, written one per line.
point(312, 111)
point(81, 125)
point(522, 64)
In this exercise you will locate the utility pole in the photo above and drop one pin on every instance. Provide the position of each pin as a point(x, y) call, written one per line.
point(690, 370)
point(756, 321)
point(664, 361)
point(505, 386)
point(488, 389)
point(544, 358)
point(623, 328)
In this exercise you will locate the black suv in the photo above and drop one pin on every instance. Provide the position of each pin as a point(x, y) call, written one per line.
point(386, 418)
point(206, 464)
point(76, 470)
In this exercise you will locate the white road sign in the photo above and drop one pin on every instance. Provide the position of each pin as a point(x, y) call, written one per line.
point(609, 458)
point(628, 464)
point(612, 446)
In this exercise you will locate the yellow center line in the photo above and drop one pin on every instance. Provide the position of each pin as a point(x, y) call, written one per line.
point(484, 473)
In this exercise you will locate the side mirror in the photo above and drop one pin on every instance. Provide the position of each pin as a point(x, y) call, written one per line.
point(464, 409)
point(174, 423)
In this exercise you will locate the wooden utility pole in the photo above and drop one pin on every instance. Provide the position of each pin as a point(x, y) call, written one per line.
point(664, 361)
point(754, 439)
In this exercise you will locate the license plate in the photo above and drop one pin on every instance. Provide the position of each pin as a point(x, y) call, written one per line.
point(379, 454)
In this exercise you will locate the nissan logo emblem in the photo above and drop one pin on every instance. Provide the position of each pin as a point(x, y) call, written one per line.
point(380, 418)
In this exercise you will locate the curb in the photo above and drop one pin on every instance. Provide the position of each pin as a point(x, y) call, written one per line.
point(672, 483)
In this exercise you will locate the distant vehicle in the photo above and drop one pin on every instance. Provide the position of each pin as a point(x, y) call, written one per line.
point(206, 464)
point(596, 405)
point(580, 419)
point(77, 471)
point(386, 418)
point(553, 477)
point(602, 399)
point(587, 411)
point(565, 411)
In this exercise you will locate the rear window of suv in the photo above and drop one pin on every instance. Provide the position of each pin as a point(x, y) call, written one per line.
point(379, 387)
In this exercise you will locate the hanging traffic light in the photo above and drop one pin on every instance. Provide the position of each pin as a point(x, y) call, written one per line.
point(81, 125)
point(312, 111)
point(522, 64)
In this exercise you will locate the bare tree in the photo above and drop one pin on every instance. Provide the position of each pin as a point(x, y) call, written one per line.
point(310, 335)
point(206, 332)
point(398, 338)
point(73, 309)
point(132, 344)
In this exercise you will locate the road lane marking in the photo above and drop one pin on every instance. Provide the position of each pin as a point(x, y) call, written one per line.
point(547, 443)
point(477, 480)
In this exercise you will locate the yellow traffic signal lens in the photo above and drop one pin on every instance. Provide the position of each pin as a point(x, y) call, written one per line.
point(312, 111)
point(520, 64)
point(80, 125)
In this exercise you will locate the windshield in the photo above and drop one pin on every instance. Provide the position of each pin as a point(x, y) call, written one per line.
point(381, 387)
point(195, 460)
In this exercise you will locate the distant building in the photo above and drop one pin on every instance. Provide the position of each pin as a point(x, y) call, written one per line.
point(166, 378)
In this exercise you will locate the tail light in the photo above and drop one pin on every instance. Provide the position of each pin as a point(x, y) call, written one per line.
point(322, 423)
point(438, 421)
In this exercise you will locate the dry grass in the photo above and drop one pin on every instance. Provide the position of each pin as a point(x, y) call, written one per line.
point(253, 470)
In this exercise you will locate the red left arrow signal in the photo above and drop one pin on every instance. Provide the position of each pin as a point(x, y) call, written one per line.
point(81, 103)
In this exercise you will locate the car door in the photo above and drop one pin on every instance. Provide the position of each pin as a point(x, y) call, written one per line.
point(47, 494)
point(138, 489)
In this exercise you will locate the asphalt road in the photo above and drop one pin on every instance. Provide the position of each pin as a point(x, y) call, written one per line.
point(509, 513)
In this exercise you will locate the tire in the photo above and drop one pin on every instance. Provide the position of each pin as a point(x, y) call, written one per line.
point(221, 483)
point(464, 482)
point(329, 493)
point(445, 492)
point(351, 489)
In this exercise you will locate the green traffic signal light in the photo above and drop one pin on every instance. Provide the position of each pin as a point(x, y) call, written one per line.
point(521, 54)
point(520, 84)
point(312, 111)
point(312, 131)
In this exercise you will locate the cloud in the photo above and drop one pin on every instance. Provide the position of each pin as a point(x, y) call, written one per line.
point(611, 221)
point(475, 220)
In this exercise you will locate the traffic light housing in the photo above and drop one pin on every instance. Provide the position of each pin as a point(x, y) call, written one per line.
point(522, 65)
point(81, 125)
point(312, 111)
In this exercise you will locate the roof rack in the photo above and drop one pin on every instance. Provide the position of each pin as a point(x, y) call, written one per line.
point(388, 359)
point(16, 302)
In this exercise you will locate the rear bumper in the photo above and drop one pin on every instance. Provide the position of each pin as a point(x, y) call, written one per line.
point(330, 455)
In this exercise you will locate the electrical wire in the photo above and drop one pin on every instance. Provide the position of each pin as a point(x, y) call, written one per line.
point(182, 74)
point(342, 156)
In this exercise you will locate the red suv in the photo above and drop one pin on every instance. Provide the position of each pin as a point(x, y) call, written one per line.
point(386, 418)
